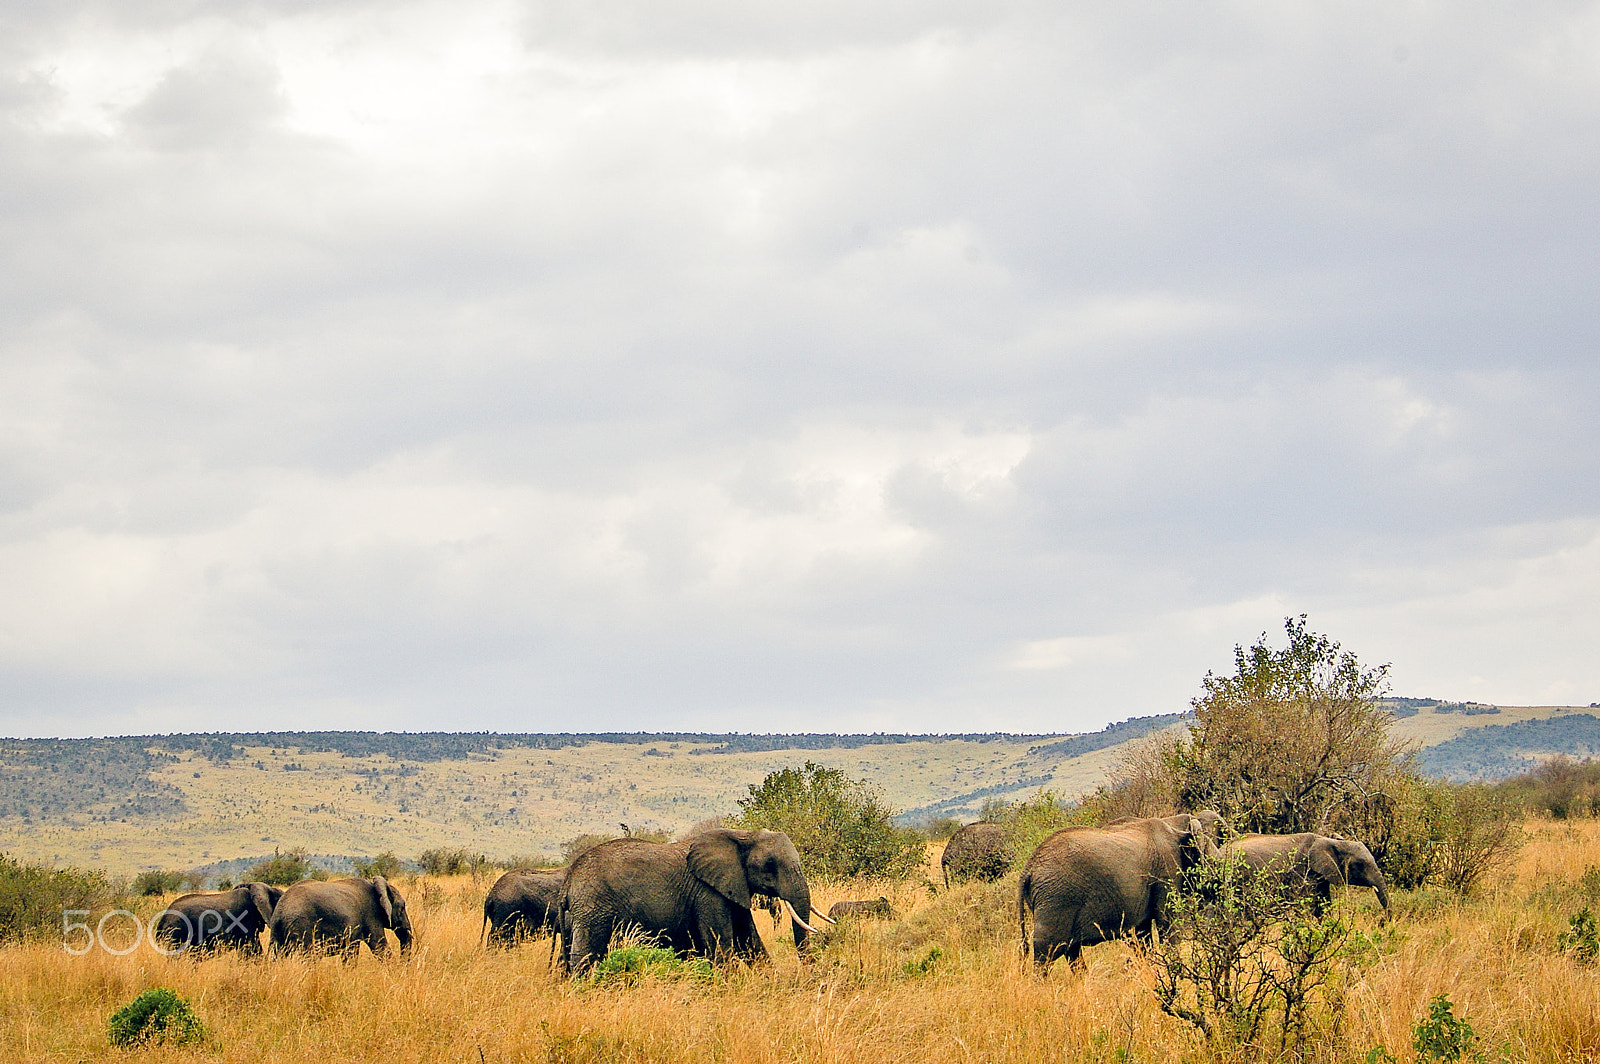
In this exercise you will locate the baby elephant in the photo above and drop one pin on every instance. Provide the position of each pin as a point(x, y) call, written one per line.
point(222, 918)
point(877, 909)
point(522, 903)
point(338, 916)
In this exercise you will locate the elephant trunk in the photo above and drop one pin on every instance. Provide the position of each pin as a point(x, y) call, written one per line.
point(402, 931)
point(798, 898)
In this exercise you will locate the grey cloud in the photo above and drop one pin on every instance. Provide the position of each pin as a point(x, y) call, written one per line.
point(895, 365)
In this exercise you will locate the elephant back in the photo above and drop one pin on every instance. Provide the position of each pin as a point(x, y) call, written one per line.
point(977, 851)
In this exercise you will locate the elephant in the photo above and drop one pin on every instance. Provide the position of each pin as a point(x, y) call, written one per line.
point(1313, 863)
point(877, 909)
point(977, 851)
point(1087, 885)
point(1211, 822)
point(207, 921)
point(692, 896)
point(339, 915)
point(521, 903)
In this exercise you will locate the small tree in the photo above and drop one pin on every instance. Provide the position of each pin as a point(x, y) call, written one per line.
point(1289, 740)
point(1243, 957)
point(842, 827)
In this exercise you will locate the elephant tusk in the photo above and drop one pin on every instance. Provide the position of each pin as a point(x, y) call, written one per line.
point(823, 915)
point(796, 918)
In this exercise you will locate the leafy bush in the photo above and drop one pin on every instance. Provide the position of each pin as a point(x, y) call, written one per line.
point(1288, 740)
point(1442, 1036)
point(842, 827)
point(1480, 837)
point(34, 896)
point(386, 864)
point(284, 869)
point(157, 1015)
point(1561, 787)
point(628, 964)
point(444, 861)
point(1582, 937)
point(1032, 820)
point(1243, 956)
point(156, 881)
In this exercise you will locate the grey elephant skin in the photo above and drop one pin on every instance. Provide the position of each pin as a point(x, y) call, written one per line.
point(1088, 885)
point(875, 909)
point(338, 915)
point(977, 851)
point(691, 896)
point(231, 919)
point(522, 903)
point(1313, 863)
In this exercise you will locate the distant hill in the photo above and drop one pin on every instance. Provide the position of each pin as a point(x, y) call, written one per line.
point(220, 801)
point(1498, 751)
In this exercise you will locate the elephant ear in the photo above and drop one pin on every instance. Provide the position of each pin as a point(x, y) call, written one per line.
point(1325, 861)
point(716, 858)
point(381, 885)
point(1193, 844)
point(263, 902)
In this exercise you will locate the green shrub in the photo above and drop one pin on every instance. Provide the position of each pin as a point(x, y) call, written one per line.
point(628, 964)
point(386, 864)
point(451, 862)
point(155, 881)
point(283, 869)
point(1582, 937)
point(157, 1015)
point(34, 896)
point(1031, 821)
point(842, 827)
point(1442, 1036)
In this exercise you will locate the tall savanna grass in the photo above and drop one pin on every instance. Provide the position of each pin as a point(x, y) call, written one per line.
point(947, 983)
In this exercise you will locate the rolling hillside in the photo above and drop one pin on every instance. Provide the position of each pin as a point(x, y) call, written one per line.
point(182, 801)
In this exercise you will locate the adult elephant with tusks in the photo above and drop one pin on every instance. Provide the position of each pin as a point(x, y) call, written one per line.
point(337, 916)
point(1087, 885)
point(1314, 864)
point(692, 896)
point(215, 919)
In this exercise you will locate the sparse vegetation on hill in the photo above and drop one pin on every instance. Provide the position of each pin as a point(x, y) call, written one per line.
point(1500, 751)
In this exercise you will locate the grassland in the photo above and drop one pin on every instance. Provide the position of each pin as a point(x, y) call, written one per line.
point(873, 995)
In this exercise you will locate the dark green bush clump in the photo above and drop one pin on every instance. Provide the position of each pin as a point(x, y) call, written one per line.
point(155, 881)
point(842, 827)
point(386, 864)
point(34, 896)
point(626, 965)
point(452, 862)
point(157, 1015)
point(283, 869)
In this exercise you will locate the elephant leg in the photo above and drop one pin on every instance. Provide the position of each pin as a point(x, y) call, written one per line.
point(581, 953)
point(746, 940)
point(714, 933)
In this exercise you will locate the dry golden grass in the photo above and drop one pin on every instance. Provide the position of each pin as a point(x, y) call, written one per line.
point(453, 1001)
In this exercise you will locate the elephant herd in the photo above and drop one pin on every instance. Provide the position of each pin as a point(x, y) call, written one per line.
point(1080, 886)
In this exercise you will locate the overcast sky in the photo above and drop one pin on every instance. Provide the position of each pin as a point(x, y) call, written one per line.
point(628, 364)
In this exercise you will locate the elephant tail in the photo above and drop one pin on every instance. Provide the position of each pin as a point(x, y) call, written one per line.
point(1024, 906)
point(483, 932)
